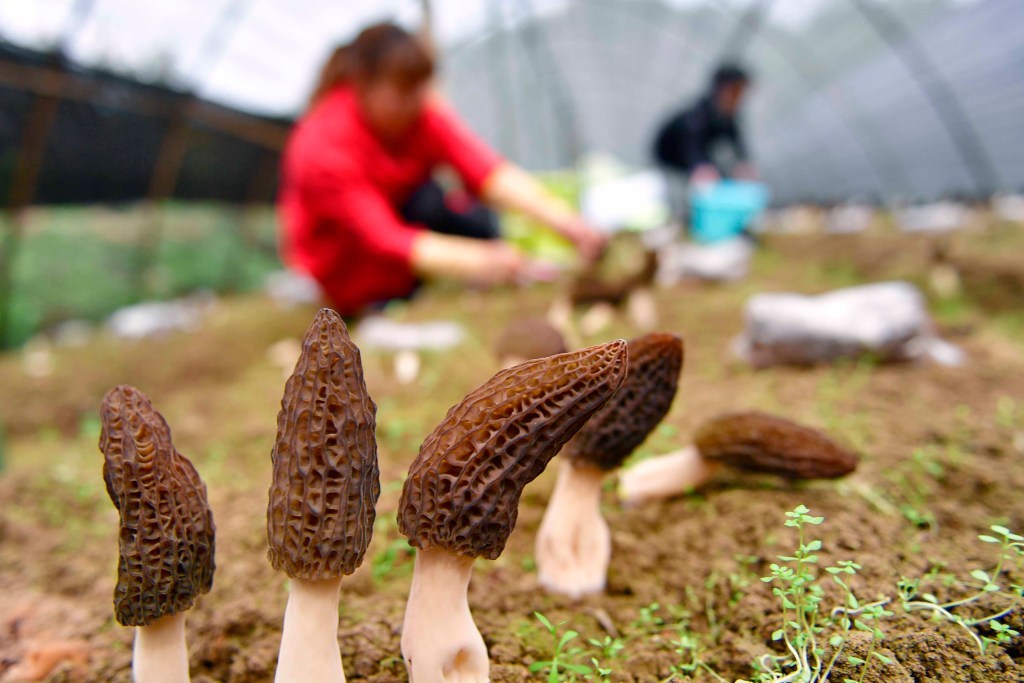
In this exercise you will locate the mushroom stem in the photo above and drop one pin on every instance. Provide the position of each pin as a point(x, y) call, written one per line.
point(407, 366)
point(598, 317)
point(309, 638)
point(643, 311)
point(665, 476)
point(574, 544)
point(160, 654)
point(440, 642)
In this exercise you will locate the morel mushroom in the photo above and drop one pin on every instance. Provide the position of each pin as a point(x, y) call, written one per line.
point(749, 441)
point(166, 540)
point(528, 339)
point(574, 545)
point(602, 297)
point(323, 496)
point(461, 497)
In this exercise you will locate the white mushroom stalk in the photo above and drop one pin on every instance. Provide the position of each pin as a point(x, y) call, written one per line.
point(574, 544)
point(160, 654)
point(665, 476)
point(460, 499)
point(309, 637)
point(642, 309)
point(440, 641)
point(574, 549)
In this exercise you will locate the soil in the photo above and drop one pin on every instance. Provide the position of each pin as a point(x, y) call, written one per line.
point(942, 459)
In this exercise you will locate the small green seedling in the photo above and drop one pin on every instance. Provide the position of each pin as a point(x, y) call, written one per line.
point(609, 647)
point(564, 664)
point(806, 626)
point(986, 587)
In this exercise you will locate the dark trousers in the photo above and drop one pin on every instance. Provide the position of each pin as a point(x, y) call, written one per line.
point(427, 207)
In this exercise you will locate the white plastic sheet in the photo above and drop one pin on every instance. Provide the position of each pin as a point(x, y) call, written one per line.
point(378, 332)
point(637, 202)
point(718, 262)
point(888, 320)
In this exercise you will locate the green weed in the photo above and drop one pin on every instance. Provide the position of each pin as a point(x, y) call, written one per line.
point(984, 589)
point(807, 626)
point(566, 663)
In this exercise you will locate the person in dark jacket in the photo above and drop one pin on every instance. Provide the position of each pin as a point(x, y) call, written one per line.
point(705, 141)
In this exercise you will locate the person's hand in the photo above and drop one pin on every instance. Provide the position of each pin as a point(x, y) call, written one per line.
point(703, 175)
point(745, 171)
point(588, 242)
point(504, 264)
point(509, 265)
point(480, 262)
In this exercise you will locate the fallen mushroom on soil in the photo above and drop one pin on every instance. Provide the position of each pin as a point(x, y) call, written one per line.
point(574, 544)
point(166, 540)
point(527, 339)
point(323, 496)
point(748, 441)
point(461, 497)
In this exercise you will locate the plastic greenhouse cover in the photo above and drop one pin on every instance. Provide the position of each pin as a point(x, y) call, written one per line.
point(909, 99)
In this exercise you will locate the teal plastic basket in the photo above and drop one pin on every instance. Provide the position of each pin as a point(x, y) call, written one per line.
point(721, 211)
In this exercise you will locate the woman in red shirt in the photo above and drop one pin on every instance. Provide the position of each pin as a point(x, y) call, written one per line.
point(360, 212)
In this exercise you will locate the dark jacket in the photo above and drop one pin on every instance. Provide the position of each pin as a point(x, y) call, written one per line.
point(686, 139)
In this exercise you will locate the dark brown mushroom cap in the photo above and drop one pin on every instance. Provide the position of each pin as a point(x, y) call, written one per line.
point(759, 442)
point(643, 400)
point(590, 286)
point(530, 338)
point(326, 479)
point(462, 492)
point(166, 541)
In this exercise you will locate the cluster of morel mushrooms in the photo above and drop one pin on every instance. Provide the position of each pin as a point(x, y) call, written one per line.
point(459, 501)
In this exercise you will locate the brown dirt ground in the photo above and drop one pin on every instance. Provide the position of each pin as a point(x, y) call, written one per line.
point(698, 557)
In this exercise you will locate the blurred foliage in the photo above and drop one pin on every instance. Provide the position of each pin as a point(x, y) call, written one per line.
point(85, 262)
point(538, 240)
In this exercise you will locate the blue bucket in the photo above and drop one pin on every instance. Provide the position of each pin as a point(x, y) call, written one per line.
point(721, 211)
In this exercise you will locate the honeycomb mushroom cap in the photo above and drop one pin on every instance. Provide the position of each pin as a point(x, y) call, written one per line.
point(643, 400)
point(326, 478)
point(530, 338)
point(759, 442)
point(166, 541)
point(590, 286)
point(462, 492)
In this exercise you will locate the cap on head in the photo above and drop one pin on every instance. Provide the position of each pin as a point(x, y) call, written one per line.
point(326, 478)
point(166, 540)
point(462, 492)
point(759, 442)
point(728, 74)
point(655, 361)
point(530, 338)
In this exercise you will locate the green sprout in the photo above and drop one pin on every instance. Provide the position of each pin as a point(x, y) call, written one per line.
point(986, 586)
point(806, 626)
point(564, 664)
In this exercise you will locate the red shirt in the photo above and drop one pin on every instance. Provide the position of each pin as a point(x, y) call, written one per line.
point(341, 187)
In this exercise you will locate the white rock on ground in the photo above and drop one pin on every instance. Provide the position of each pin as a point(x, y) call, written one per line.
point(378, 332)
point(718, 262)
point(888, 319)
point(937, 217)
point(1009, 207)
point(152, 318)
point(290, 288)
point(849, 218)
